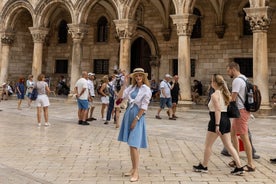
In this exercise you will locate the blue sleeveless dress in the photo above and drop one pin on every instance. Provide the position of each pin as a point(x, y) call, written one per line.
point(136, 137)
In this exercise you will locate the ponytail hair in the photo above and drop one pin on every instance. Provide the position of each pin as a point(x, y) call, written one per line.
point(223, 88)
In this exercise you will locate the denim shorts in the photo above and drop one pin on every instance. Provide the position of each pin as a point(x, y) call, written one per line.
point(165, 101)
point(83, 104)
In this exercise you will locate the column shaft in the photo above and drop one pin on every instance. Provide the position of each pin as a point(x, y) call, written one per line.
point(125, 54)
point(76, 63)
point(5, 63)
point(37, 59)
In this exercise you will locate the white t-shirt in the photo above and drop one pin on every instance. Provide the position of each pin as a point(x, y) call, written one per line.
point(238, 86)
point(167, 89)
point(82, 83)
point(91, 87)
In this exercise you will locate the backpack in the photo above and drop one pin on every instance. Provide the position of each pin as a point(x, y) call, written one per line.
point(253, 96)
point(34, 94)
point(118, 83)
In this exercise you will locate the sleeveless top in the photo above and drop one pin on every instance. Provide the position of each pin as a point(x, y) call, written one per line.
point(223, 107)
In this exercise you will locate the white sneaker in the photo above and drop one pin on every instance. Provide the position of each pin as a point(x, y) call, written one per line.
point(104, 119)
point(39, 124)
point(47, 124)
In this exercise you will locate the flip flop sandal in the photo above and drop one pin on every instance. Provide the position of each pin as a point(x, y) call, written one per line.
point(232, 163)
point(247, 168)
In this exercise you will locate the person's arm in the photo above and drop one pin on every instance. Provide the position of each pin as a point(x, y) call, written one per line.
point(102, 88)
point(137, 118)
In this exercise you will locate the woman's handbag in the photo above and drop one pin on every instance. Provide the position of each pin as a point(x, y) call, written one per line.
point(232, 110)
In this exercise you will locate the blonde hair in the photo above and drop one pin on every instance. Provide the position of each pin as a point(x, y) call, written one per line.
point(223, 88)
point(145, 80)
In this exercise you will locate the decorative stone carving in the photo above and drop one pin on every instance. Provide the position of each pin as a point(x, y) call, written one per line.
point(220, 30)
point(166, 34)
point(39, 34)
point(184, 23)
point(125, 28)
point(259, 18)
point(154, 61)
point(78, 31)
point(7, 38)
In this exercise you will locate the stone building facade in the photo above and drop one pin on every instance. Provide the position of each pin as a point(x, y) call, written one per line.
point(191, 38)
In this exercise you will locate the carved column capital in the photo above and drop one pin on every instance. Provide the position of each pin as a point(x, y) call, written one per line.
point(39, 34)
point(125, 28)
point(78, 31)
point(184, 23)
point(7, 38)
point(259, 18)
point(154, 61)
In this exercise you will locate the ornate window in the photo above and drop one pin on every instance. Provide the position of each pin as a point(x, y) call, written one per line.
point(246, 25)
point(102, 30)
point(62, 32)
point(197, 27)
point(101, 66)
point(246, 66)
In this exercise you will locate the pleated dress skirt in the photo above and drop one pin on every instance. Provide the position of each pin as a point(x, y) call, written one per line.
point(136, 137)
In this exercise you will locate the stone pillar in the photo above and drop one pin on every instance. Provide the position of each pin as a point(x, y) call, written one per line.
point(38, 35)
point(260, 19)
point(77, 31)
point(155, 64)
point(125, 29)
point(184, 25)
point(7, 39)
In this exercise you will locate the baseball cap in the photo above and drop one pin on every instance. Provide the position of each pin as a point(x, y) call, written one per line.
point(168, 75)
point(4, 84)
point(90, 74)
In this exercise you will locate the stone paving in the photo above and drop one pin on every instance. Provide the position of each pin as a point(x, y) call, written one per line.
point(67, 153)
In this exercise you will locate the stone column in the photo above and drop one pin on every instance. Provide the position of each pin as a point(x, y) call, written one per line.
point(77, 31)
point(38, 34)
point(7, 39)
point(260, 19)
point(125, 29)
point(184, 25)
point(155, 64)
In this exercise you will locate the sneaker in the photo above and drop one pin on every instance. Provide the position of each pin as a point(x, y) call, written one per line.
point(172, 118)
point(39, 124)
point(106, 123)
point(85, 123)
point(80, 122)
point(225, 153)
point(237, 171)
point(200, 168)
point(47, 124)
point(158, 117)
point(93, 119)
point(273, 160)
point(255, 156)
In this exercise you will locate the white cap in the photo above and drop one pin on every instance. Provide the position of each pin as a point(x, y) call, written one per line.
point(91, 74)
point(168, 75)
point(3, 84)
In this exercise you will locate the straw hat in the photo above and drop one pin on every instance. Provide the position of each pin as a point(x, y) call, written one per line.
point(138, 71)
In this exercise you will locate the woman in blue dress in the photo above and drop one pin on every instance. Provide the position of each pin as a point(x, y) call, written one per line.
point(20, 88)
point(133, 128)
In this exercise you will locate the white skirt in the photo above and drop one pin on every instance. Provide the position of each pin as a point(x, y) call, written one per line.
point(42, 101)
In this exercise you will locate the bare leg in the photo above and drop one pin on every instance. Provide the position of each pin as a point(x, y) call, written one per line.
point(38, 114)
point(19, 104)
point(45, 109)
point(248, 149)
point(134, 153)
point(209, 141)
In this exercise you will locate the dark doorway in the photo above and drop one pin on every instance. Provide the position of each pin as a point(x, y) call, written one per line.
point(140, 55)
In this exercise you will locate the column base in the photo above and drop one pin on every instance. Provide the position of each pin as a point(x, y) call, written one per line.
point(266, 111)
point(184, 105)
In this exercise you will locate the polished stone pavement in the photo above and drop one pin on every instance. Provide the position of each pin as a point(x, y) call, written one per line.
point(68, 153)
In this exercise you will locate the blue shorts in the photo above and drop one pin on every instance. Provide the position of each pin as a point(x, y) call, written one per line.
point(165, 101)
point(83, 104)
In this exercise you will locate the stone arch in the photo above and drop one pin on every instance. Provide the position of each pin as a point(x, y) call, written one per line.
point(85, 7)
point(47, 10)
point(146, 34)
point(12, 10)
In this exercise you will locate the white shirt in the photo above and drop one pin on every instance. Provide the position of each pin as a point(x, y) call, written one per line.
point(223, 107)
point(82, 83)
point(143, 97)
point(91, 88)
point(167, 89)
point(238, 86)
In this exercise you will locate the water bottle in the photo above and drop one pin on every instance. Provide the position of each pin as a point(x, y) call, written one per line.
point(250, 97)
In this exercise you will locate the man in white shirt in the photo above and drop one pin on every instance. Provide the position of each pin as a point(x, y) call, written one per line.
point(81, 91)
point(91, 90)
point(165, 97)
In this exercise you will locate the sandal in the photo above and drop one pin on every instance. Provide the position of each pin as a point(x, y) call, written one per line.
point(247, 168)
point(232, 163)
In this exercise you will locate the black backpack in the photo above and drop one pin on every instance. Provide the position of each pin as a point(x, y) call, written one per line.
point(253, 96)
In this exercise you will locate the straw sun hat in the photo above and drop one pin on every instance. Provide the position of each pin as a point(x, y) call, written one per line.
point(138, 71)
